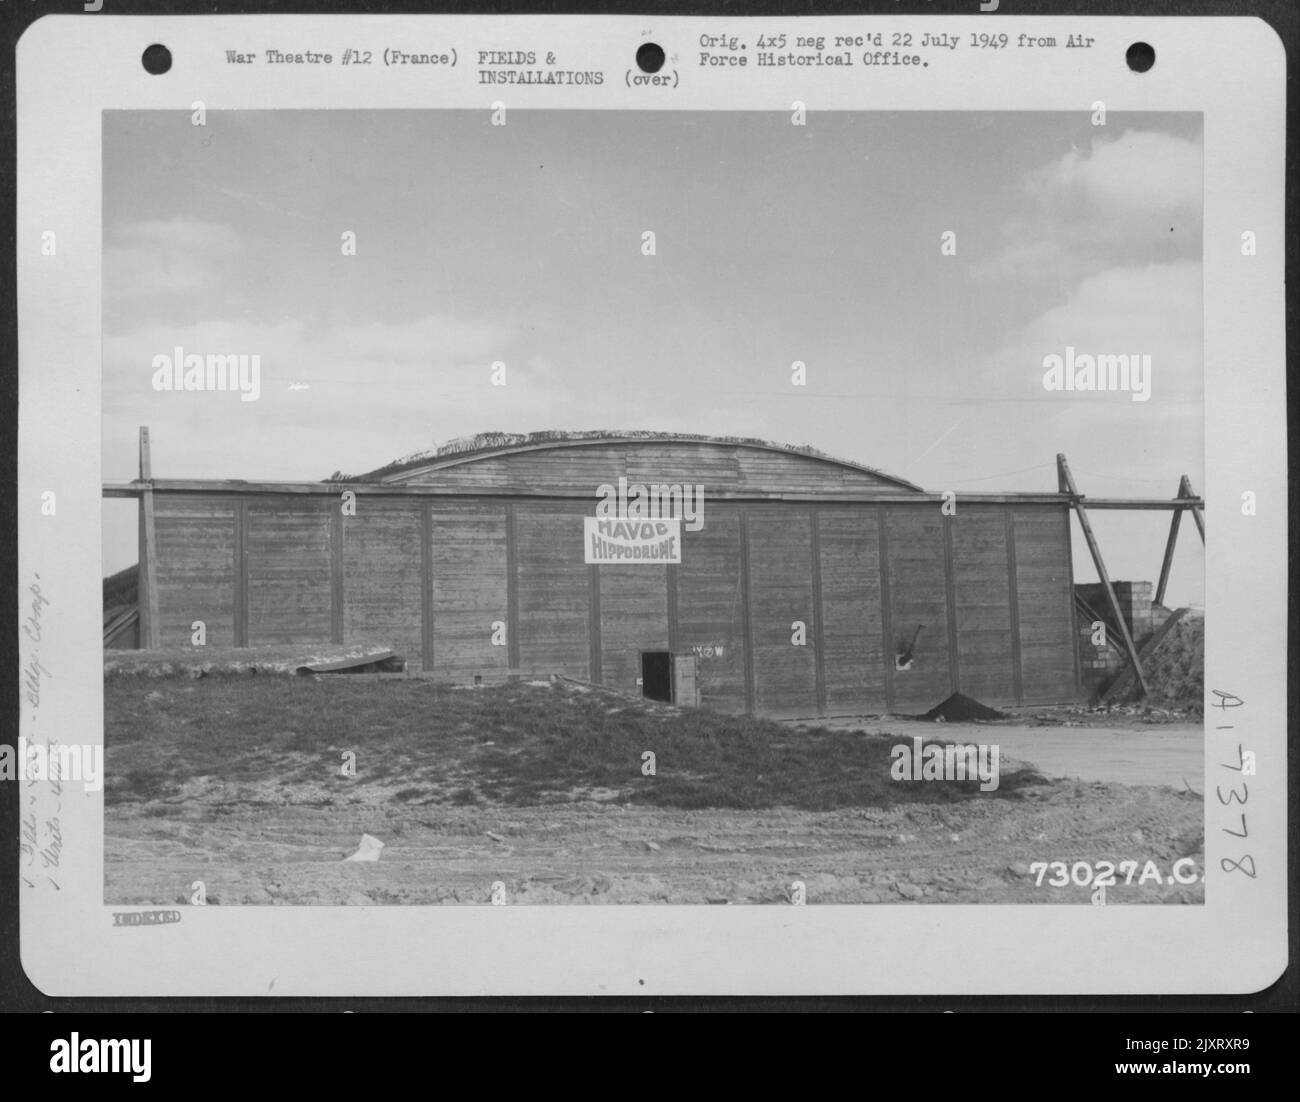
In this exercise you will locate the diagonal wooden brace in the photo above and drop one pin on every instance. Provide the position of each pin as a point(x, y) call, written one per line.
point(1066, 482)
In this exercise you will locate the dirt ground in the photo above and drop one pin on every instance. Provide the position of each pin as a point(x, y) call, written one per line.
point(228, 781)
point(252, 846)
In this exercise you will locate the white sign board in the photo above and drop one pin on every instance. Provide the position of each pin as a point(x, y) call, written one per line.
point(628, 540)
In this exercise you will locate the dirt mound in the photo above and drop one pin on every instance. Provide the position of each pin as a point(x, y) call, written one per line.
point(508, 745)
point(960, 708)
point(1175, 671)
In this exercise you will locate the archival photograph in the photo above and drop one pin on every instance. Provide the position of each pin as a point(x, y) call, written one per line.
point(652, 507)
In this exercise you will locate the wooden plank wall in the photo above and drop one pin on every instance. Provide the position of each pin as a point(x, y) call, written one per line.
point(991, 584)
point(468, 590)
point(287, 546)
point(1046, 601)
point(981, 586)
point(914, 535)
point(633, 604)
point(781, 593)
point(195, 573)
point(554, 586)
point(853, 650)
point(711, 610)
point(381, 591)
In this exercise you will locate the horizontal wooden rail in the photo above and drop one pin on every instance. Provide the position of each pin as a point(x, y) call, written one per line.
point(873, 497)
point(1141, 502)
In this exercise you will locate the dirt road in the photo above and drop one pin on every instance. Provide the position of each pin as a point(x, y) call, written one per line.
point(250, 847)
point(1127, 753)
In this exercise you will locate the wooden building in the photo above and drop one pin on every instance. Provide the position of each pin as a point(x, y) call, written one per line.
point(812, 585)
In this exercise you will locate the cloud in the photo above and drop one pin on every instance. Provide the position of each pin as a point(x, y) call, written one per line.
point(166, 257)
point(1012, 422)
point(1135, 197)
point(1141, 174)
point(1151, 310)
point(348, 397)
point(426, 340)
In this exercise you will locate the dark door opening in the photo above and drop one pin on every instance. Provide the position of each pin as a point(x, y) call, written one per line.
point(657, 675)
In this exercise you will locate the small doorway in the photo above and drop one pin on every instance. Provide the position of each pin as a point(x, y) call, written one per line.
point(657, 675)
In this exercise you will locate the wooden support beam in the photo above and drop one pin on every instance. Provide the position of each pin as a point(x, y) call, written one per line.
point(149, 570)
point(1067, 483)
point(512, 589)
point(950, 606)
point(336, 574)
point(141, 578)
point(745, 607)
point(818, 632)
point(147, 574)
point(595, 660)
point(1170, 544)
point(1071, 607)
point(146, 462)
point(674, 630)
point(1142, 503)
point(524, 494)
point(1185, 492)
point(427, 656)
point(241, 573)
point(1198, 515)
point(888, 643)
point(410, 489)
point(1013, 589)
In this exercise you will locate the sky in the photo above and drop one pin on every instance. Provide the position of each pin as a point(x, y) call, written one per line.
point(773, 243)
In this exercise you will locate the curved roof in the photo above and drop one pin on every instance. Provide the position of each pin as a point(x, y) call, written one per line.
point(488, 446)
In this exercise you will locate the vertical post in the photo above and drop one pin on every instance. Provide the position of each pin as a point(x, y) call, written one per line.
point(426, 587)
point(512, 589)
point(674, 630)
point(241, 572)
point(1066, 481)
point(147, 576)
point(819, 650)
point(142, 582)
point(336, 572)
point(950, 605)
point(1013, 591)
point(747, 612)
point(1071, 609)
point(886, 611)
point(595, 660)
point(146, 465)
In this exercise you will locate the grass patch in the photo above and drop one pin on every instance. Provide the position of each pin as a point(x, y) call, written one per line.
point(515, 745)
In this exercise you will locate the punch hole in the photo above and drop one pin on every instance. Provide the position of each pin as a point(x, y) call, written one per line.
point(156, 59)
point(650, 57)
point(1140, 57)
